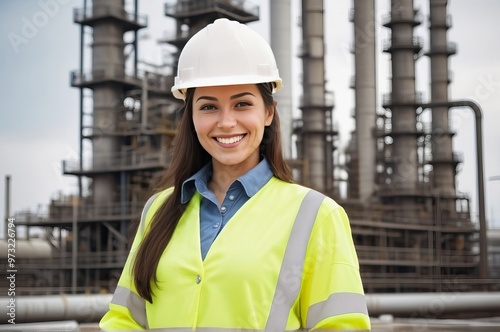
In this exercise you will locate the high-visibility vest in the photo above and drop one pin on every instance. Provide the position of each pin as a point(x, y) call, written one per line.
point(285, 261)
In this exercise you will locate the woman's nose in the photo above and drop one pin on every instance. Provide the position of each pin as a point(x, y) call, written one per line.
point(226, 118)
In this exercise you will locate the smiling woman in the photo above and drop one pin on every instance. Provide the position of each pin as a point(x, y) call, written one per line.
point(229, 121)
point(229, 241)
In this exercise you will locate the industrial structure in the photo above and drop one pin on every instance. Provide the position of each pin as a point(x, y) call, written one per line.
point(413, 231)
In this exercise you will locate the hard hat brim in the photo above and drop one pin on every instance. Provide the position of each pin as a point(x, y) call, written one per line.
point(179, 90)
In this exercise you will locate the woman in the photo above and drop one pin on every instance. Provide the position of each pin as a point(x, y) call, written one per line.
point(229, 241)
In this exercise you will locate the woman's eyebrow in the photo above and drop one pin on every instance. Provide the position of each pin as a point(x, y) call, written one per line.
point(206, 97)
point(241, 95)
point(236, 96)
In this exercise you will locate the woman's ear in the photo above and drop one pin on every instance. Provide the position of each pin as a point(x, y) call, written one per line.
point(270, 113)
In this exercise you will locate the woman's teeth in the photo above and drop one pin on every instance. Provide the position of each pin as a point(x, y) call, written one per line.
point(229, 140)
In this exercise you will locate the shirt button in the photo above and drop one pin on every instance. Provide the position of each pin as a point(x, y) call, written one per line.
point(198, 279)
point(231, 197)
point(223, 209)
point(215, 225)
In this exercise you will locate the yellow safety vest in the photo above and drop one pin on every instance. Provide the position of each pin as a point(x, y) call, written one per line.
point(285, 261)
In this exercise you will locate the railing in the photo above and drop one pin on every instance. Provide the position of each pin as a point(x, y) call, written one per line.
point(414, 17)
point(28, 216)
point(429, 129)
point(402, 98)
point(83, 212)
point(448, 48)
point(93, 12)
point(91, 211)
point(176, 36)
point(118, 161)
point(158, 82)
point(391, 218)
point(456, 157)
point(155, 81)
point(84, 260)
point(112, 73)
point(193, 6)
point(158, 120)
point(411, 256)
point(412, 43)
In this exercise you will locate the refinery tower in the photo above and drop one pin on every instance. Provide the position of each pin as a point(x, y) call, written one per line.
point(412, 229)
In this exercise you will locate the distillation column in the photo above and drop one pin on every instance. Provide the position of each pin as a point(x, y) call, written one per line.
point(281, 43)
point(443, 160)
point(107, 58)
point(365, 95)
point(403, 100)
point(316, 148)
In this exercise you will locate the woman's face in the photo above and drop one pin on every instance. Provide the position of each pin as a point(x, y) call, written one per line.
point(229, 122)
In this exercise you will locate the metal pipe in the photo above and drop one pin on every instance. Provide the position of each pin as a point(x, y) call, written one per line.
point(82, 308)
point(431, 304)
point(365, 94)
point(64, 326)
point(74, 248)
point(7, 206)
point(281, 43)
point(90, 308)
point(443, 173)
point(136, 55)
point(483, 240)
point(313, 105)
point(403, 100)
point(80, 147)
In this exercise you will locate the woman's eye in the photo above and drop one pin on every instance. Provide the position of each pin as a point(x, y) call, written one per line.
point(243, 104)
point(207, 107)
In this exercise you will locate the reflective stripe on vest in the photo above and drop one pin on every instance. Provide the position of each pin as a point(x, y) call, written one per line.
point(284, 295)
point(142, 225)
point(351, 303)
point(133, 302)
point(295, 253)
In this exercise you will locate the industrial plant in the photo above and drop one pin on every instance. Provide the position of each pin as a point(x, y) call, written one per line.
point(413, 230)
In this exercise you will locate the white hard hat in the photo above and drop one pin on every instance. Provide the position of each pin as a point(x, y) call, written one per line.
point(225, 53)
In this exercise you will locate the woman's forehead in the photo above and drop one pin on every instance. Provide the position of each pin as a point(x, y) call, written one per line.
point(227, 90)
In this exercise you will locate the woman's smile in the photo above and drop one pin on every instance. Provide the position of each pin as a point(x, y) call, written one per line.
point(229, 140)
point(229, 121)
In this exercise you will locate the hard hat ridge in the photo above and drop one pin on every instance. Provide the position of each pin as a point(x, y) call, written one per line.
point(225, 53)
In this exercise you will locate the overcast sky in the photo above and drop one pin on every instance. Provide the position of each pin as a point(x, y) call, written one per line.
point(39, 115)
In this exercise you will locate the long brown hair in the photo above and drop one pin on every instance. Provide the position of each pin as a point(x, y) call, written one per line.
point(189, 157)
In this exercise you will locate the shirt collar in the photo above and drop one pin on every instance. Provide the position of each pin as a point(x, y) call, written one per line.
point(252, 181)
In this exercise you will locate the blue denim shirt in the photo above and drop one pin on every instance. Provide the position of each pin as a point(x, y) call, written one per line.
point(213, 217)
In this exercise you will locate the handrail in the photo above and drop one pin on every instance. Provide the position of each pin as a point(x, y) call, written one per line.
point(155, 81)
point(414, 42)
point(65, 260)
point(398, 16)
point(86, 211)
point(117, 72)
point(90, 12)
point(421, 255)
point(186, 7)
point(118, 160)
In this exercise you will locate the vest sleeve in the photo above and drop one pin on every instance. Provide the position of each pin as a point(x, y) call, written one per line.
point(332, 295)
point(127, 310)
